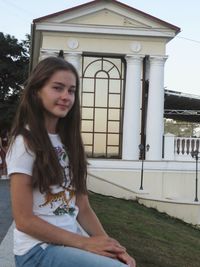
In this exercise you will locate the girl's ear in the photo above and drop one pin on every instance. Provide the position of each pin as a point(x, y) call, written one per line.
point(38, 93)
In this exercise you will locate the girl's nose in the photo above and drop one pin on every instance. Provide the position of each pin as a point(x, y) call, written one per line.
point(65, 94)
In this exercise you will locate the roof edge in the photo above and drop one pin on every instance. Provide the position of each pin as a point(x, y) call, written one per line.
point(175, 28)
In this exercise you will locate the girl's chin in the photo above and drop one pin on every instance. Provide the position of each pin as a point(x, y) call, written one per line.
point(63, 114)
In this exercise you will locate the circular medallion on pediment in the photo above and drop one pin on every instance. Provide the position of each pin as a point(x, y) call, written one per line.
point(136, 47)
point(72, 43)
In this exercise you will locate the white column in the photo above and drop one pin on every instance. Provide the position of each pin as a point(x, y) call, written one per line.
point(75, 59)
point(155, 108)
point(132, 112)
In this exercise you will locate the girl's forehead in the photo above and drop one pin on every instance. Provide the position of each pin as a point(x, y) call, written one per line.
point(63, 74)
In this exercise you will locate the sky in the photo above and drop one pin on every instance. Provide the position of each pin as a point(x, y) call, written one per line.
point(182, 68)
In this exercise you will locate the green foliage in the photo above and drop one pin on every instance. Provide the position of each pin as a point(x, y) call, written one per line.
point(181, 128)
point(14, 61)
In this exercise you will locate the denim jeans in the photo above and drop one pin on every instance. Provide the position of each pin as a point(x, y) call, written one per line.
point(60, 256)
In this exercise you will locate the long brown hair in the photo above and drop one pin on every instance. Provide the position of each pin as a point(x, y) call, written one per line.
point(29, 123)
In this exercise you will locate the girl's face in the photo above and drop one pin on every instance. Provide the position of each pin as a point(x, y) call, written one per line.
point(58, 96)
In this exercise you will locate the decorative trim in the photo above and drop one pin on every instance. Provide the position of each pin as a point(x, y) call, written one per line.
point(56, 27)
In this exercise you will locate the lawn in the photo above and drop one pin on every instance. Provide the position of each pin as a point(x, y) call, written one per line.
point(152, 238)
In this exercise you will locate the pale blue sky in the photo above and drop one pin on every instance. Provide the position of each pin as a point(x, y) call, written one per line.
point(182, 68)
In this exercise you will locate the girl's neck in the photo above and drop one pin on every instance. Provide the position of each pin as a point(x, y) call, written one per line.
point(51, 127)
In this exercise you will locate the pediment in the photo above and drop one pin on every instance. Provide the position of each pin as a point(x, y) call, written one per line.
point(106, 17)
point(107, 13)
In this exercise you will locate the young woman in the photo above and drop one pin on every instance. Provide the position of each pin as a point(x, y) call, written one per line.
point(47, 167)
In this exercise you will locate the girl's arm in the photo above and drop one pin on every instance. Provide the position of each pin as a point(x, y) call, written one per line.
point(91, 224)
point(27, 222)
point(87, 218)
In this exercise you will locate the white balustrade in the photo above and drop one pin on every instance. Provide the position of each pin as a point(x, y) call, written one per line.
point(183, 146)
point(180, 148)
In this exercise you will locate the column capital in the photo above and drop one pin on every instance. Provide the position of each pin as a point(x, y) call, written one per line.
point(134, 58)
point(72, 54)
point(44, 53)
point(157, 60)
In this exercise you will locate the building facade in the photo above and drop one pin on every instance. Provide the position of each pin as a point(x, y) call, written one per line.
point(120, 55)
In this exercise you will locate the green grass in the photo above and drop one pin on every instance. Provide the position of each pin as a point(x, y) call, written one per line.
point(154, 239)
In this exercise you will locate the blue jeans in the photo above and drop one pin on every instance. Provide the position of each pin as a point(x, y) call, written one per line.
point(60, 256)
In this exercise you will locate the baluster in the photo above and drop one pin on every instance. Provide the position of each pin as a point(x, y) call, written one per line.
point(192, 145)
point(183, 146)
point(178, 146)
point(197, 145)
point(187, 146)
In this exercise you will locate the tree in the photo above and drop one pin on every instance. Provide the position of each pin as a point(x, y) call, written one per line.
point(181, 128)
point(14, 62)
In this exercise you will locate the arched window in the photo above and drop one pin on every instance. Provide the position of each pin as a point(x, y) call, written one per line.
point(102, 105)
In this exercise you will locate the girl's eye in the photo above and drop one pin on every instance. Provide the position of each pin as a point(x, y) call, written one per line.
point(57, 88)
point(72, 91)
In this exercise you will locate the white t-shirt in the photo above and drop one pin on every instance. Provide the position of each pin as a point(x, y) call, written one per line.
point(57, 207)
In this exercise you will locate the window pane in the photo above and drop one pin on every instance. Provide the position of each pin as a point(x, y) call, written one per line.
point(102, 74)
point(99, 144)
point(113, 151)
point(111, 68)
point(101, 93)
point(114, 114)
point(114, 73)
point(113, 139)
point(100, 120)
point(114, 101)
point(115, 86)
point(87, 138)
point(88, 85)
point(88, 100)
point(107, 65)
point(87, 126)
point(113, 126)
point(87, 113)
point(93, 68)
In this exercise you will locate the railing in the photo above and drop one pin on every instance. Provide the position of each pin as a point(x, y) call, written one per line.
point(180, 148)
point(184, 146)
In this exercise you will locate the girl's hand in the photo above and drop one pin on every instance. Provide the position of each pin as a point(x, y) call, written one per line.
point(127, 259)
point(104, 245)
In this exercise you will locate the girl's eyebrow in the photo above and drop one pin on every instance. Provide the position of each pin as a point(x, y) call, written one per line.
point(58, 83)
point(62, 84)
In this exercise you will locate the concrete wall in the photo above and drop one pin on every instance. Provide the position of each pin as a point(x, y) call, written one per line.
point(187, 212)
point(167, 180)
point(167, 186)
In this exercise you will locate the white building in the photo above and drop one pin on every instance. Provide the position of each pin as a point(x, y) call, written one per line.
point(120, 53)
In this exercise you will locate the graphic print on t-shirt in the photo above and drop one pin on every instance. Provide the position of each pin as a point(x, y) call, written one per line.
point(60, 199)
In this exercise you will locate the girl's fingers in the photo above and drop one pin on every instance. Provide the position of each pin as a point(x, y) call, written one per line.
point(115, 249)
point(124, 257)
point(110, 255)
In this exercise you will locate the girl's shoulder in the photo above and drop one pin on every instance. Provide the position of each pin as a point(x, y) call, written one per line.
point(18, 146)
point(19, 158)
point(17, 142)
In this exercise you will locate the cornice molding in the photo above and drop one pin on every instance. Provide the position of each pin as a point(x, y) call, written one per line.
point(56, 27)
